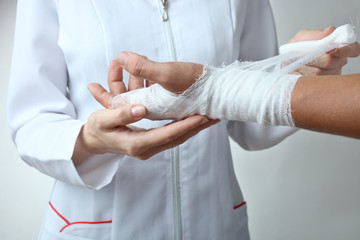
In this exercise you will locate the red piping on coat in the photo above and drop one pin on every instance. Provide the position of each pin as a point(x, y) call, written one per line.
point(72, 223)
point(241, 204)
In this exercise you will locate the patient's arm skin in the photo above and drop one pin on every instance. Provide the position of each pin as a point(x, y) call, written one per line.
point(328, 104)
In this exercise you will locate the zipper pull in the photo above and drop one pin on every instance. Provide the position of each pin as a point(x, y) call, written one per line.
point(164, 16)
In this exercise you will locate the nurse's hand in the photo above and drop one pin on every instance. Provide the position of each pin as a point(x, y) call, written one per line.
point(108, 130)
point(330, 63)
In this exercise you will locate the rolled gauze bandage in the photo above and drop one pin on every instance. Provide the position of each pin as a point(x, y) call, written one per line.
point(244, 91)
point(230, 93)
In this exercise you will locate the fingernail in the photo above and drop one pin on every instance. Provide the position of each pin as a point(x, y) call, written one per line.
point(122, 58)
point(138, 111)
point(204, 121)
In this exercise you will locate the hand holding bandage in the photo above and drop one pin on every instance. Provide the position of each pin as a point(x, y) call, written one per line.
point(330, 63)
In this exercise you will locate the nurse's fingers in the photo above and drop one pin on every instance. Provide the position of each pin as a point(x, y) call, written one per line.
point(328, 61)
point(315, 71)
point(100, 94)
point(109, 119)
point(180, 140)
point(146, 140)
point(310, 35)
point(115, 78)
point(351, 51)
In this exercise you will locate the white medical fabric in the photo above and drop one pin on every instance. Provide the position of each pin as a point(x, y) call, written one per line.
point(243, 91)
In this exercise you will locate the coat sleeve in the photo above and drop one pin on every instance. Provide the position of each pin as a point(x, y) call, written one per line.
point(42, 119)
point(258, 41)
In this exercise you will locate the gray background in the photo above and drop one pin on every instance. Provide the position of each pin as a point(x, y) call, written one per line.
point(305, 188)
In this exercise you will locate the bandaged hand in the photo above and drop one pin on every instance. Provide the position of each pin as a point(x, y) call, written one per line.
point(330, 63)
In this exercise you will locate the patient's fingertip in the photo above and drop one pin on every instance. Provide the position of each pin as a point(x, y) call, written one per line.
point(122, 58)
point(91, 86)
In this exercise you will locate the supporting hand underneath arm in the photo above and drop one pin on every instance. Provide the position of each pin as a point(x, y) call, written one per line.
point(107, 130)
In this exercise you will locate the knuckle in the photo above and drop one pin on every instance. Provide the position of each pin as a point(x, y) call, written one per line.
point(122, 114)
point(97, 121)
point(133, 150)
point(136, 67)
point(328, 61)
point(139, 67)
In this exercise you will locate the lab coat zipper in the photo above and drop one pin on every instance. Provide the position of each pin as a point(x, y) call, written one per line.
point(168, 32)
point(175, 152)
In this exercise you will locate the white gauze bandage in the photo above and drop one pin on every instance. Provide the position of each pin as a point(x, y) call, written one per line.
point(244, 91)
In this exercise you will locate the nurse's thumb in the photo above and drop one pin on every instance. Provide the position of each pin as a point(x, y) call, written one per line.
point(113, 118)
point(141, 66)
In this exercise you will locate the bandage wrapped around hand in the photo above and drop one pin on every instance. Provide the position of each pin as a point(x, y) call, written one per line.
point(244, 91)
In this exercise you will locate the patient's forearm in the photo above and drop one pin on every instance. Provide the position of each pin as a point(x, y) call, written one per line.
point(328, 104)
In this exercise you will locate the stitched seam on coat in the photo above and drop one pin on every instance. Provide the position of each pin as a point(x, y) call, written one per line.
point(68, 223)
point(241, 204)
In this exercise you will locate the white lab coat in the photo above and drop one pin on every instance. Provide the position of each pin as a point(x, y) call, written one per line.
point(189, 192)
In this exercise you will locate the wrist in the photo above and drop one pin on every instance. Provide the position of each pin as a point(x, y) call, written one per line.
point(82, 150)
